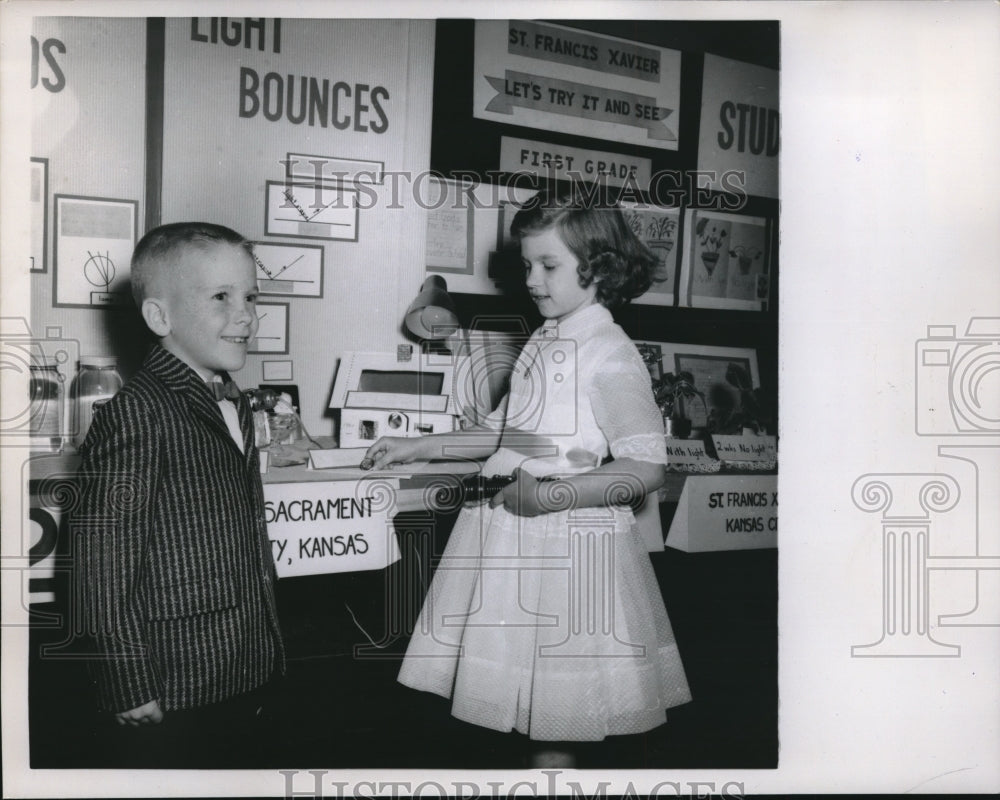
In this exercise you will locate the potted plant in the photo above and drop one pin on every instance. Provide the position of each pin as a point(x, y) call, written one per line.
point(674, 394)
point(736, 405)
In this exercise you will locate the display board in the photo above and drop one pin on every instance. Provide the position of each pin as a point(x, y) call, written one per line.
point(740, 125)
point(312, 134)
point(726, 512)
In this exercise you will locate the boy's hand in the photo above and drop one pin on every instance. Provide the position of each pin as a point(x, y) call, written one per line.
point(146, 714)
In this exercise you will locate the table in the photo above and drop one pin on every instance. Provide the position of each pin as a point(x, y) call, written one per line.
point(345, 635)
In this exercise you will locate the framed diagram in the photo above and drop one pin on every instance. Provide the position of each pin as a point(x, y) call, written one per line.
point(658, 228)
point(272, 329)
point(311, 211)
point(726, 260)
point(330, 169)
point(289, 269)
point(39, 206)
point(94, 239)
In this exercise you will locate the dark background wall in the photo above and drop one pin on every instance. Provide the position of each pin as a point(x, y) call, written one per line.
point(463, 144)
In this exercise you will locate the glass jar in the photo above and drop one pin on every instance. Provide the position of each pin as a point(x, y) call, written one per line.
point(47, 404)
point(97, 382)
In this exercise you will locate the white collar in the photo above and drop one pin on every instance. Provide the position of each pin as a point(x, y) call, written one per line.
point(577, 322)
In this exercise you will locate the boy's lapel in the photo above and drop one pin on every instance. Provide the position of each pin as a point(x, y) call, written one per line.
point(246, 425)
point(179, 377)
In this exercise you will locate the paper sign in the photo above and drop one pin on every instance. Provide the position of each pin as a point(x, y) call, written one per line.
point(311, 168)
point(755, 449)
point(689, 454)
point(726, 512)
point(740, 125)
point(332, 458)
point(553, 78)
point(450, 228)
point(529, 157)
point(331, 526)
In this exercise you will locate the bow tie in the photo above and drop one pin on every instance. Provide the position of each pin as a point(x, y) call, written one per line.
point(224, 390)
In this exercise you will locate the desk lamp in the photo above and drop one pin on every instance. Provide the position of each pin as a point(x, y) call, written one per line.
point(431, 316)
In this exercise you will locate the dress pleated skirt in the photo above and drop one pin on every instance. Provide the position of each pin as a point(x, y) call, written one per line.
point(553, 626)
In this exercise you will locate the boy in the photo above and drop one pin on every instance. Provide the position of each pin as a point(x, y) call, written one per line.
point(175, 571)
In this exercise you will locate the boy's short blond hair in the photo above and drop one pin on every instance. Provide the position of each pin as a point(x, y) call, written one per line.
point(167, 242)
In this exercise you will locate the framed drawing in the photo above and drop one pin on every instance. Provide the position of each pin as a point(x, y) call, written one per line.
point(726, 260)
point(39, 205)
point(658, 228)
point(712, 369)
point(289, 269)
point(94, 239)
point(272, 329)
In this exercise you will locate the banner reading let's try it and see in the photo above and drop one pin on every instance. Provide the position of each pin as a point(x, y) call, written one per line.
point(561, 79)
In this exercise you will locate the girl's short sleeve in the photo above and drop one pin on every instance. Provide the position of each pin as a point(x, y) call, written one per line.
point(621, 398)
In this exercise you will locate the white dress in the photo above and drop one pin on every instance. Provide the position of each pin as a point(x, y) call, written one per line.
point(554, 625)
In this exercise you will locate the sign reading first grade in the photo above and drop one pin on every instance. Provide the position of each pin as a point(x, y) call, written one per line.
point(329, 526)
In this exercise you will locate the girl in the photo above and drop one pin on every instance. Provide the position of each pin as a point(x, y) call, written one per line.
point(544, 614)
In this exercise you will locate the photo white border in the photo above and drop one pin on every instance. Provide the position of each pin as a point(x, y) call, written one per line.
point(888, 225)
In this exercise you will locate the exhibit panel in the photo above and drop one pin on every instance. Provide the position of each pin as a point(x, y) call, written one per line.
point(377, 166)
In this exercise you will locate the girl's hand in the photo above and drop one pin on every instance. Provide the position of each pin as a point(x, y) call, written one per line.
point(529, 497)
point(390, 450)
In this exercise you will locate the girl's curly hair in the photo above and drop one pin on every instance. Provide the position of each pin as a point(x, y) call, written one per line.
point(594, 230)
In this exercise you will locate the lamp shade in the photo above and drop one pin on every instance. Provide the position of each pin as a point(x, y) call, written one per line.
point(432, 314)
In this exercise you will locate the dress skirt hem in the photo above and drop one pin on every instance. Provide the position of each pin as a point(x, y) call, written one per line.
point(552, 626)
